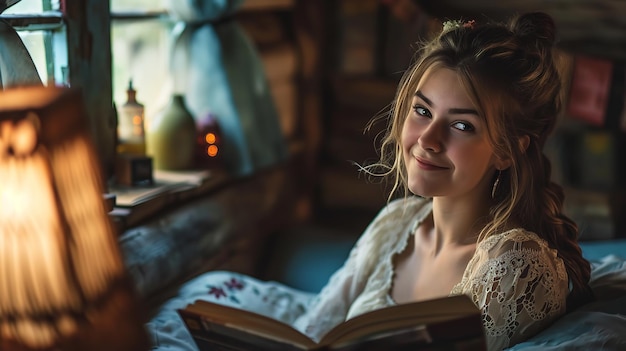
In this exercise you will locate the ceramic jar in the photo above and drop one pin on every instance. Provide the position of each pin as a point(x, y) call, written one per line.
point(171, 136)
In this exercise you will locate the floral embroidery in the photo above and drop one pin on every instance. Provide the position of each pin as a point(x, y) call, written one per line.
point(237, 288)
point(234, 284)
point(231, 289)
point(217, 292)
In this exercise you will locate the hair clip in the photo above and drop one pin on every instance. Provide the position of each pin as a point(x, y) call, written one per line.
point(469, 24)
point(454, 24)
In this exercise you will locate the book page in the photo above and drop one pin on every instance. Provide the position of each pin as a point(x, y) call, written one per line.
point(402, 316)
point(406, 324)
point(195, 177)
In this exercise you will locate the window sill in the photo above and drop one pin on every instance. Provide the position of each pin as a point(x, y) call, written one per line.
point(136, 204)
point(50, 20)
point(132, 206)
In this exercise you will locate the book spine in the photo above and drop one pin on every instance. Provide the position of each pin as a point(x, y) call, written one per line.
point(204, 339)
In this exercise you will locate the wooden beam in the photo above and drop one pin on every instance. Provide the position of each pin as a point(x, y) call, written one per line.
point(89, 60)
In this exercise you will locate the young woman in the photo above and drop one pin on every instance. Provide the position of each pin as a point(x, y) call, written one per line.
point(465, 138)
point(480, 215)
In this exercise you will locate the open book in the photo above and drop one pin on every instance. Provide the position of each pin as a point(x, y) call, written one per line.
point(449, 323)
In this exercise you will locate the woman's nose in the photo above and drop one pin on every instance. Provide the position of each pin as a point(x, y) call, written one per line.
point(432, 138)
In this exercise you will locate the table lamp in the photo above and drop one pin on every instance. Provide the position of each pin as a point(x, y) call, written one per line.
point(63, 285)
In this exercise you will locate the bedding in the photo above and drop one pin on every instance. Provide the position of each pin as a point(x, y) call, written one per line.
point(268, 298)
point(599, 325)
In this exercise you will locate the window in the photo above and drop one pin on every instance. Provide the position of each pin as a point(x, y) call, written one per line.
point(72, 41)
point(140, 40)
point(69, 41)
point(39, 24)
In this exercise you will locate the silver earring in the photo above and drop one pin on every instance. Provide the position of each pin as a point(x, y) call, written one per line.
point(495, 185)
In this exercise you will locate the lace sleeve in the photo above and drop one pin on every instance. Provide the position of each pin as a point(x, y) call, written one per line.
point(518, 283)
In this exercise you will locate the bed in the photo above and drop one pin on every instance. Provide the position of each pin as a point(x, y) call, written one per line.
point(599, 325)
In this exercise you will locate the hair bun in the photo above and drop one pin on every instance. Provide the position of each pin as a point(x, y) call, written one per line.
point(537, 28)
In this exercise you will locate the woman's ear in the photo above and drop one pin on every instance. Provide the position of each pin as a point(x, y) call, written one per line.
point(501, 164)
point(523, 143)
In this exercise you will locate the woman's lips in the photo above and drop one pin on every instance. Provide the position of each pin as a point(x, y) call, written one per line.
point(426, 165)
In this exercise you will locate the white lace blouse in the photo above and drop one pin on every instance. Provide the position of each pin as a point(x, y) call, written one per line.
point(516, 280)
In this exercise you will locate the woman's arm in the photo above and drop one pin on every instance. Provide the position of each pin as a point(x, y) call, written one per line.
point(519, 284)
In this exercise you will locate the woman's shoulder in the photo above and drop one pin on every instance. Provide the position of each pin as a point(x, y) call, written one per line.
point(513, 239)
point(521, 245)
point(518, 282)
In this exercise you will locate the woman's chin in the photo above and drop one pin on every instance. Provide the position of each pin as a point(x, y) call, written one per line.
point(420, 191)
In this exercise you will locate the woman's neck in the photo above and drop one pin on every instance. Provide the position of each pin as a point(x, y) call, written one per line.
point(456, 222)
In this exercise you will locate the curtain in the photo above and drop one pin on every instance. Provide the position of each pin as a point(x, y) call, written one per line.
point(16, 65)
point(216, 67)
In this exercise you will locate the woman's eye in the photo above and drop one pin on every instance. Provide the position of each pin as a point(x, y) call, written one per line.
point(421, 111)
point(463, 126)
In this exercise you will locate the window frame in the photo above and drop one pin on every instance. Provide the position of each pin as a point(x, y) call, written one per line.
point(84, 26)
point(80, 29)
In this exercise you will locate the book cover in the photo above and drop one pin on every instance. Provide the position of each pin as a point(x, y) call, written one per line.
point(448, 323)
point(590, 88)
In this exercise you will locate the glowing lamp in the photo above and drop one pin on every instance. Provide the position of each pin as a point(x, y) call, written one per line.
point(63, 285)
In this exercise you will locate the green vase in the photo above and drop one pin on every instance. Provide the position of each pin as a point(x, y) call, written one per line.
point(171, 136)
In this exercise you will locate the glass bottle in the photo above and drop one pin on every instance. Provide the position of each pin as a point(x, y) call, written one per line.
point(131, 134)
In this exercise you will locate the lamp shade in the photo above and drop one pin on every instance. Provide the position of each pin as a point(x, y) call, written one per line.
point(63, 284)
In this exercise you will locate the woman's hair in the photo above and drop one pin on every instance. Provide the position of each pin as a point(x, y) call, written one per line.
point(509, 73)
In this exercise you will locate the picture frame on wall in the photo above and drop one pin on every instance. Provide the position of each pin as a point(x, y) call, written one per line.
point(590, 90)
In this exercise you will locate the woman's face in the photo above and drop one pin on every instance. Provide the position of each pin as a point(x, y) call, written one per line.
point(445, 142)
